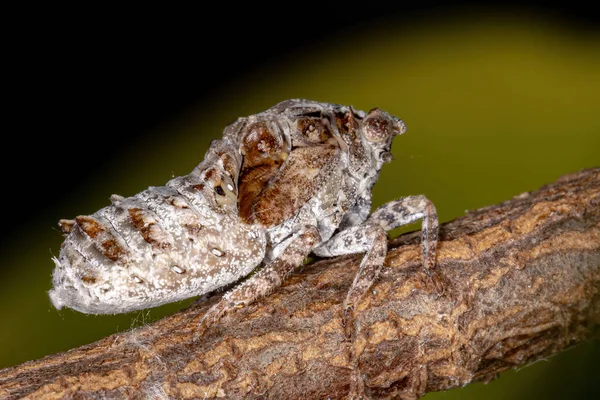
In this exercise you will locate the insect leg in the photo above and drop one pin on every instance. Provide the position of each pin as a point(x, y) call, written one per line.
point(265, 281)
point(405, 211)
point(357, 239)
point(370, 237)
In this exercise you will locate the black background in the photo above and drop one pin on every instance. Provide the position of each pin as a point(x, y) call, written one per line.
point(88, 82)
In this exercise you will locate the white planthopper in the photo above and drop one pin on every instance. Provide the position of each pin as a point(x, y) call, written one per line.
point(293, 180)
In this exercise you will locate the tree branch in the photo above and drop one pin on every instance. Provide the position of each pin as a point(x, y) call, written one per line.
point(522, 282)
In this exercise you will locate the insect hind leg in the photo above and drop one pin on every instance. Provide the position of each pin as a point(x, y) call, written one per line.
point(270, 277)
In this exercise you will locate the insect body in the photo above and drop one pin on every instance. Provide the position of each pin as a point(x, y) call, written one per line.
point(281, 184)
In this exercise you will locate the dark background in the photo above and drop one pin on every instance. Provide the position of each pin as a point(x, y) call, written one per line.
point(96, 96)
point(98, 83)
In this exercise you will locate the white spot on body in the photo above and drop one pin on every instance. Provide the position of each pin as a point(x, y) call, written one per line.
point(106, 287)
point(217, 252)
point(177, 269)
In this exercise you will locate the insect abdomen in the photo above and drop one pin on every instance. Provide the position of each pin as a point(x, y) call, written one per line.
point(162, 245)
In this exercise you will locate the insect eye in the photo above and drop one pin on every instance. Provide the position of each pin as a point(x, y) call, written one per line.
point(220, 190)
point(376, 127)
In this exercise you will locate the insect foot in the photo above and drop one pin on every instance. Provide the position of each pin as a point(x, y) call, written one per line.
point(278, 185)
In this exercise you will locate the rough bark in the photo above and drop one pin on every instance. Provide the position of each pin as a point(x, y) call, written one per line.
point(522, 282)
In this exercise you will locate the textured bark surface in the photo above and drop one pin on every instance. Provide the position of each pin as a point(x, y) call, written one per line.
point(522, 282)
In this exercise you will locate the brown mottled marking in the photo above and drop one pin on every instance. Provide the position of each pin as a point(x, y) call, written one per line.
point(259, 142)
point(177, 202)
point(296, 182)
point(102, 239)
point(112, 250)
point(229, 164)
point(88, 279)
point(252, 181)
point(147, 227)
point(346, 123)
point(210, 174)
point(66, 225)
point(137, 220)
point(89, 225)
point(193, 229)
point(263, 157)
point(313, 129)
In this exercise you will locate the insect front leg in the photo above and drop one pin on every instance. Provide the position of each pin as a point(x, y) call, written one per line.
point(371, 237)
point(265, 281)
point(405, 211)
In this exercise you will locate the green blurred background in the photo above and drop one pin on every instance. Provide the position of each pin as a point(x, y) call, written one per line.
point(497, 100)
